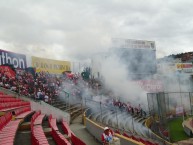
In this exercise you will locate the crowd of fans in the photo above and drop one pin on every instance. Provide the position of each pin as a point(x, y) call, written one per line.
point(137, 110)
point(45, 86)
point(42, 86)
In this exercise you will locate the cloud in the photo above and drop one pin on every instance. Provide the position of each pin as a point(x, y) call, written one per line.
point(78, 29)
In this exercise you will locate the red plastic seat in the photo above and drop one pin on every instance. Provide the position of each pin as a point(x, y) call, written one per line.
point(76, 141)
point(66, 128)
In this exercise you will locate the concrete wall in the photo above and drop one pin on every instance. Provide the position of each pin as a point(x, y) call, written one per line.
point(97, 130)
point(187, 131)
point(48, 109)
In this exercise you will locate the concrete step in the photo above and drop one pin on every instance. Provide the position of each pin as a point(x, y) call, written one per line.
point(47, 131)
point(80, 131)
point(62, 107)
point(138, 119)
point(72, 107)
point(51, 141)
point(23, 138)
point(58, 104)
point(57, 101)
point(75, 115)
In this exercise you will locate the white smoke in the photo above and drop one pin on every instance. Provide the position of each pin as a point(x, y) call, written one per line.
point(115, 74)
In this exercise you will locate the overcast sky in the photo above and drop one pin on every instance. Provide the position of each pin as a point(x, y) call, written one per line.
point(75, 29)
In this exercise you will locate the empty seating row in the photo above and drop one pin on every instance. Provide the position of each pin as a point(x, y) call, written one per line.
point(8, 129)
point(6, 96)
point(5, 119)
point(37, 133)
point(66, 128)
point(39, 119)
point(164, 132)
point(74, 139)
point(38, 136)
point(58, 137)
point(8, 106)
point(21, 113)
point(52, 122)
point(21, 110)
point(4, 100)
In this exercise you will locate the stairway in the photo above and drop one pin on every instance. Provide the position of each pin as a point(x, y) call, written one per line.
point(80, 131)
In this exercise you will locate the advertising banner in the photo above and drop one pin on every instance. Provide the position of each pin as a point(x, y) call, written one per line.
point(133, 44)
point(179, 110)
point(184, 67)
point(166, 68)
point(50, 65)
point(151, 85)
point(15, 59)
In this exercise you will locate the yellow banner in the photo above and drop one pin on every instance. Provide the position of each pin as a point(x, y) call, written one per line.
point(50, 65)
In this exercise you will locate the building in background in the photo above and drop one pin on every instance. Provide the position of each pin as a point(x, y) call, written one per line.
point(96, 64)
point(139, 56)
point(79, 66)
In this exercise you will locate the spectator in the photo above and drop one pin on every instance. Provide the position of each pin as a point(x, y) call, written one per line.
point(39, 93)
point(46, 98)
point(108, 137)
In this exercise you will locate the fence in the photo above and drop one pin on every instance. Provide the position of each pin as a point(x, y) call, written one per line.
point(97, 116)
point(165, 106)
point(96, 130)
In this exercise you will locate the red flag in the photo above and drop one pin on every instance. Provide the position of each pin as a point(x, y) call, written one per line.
point(8, 71)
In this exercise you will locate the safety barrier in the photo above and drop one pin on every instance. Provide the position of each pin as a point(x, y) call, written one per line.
point(97, 130)
point(148, 123)
point(187, 125)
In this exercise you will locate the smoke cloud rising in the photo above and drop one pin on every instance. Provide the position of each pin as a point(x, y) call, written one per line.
point(116, 78)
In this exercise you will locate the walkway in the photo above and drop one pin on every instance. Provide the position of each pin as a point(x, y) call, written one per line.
point(80, 131)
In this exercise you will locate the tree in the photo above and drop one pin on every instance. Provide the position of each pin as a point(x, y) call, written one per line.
point(86, 73)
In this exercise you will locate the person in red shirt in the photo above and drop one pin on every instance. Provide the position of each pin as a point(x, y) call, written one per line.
point(107, 136)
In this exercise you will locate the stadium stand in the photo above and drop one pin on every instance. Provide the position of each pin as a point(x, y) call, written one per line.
point(74, 139)
point(8, 129)
point(21, 109)
point(23, 112)
point(58, 137)
point(17, 109)
point(38, 136)
point(66, 128)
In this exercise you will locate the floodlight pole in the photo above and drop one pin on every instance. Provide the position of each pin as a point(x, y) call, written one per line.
point(133, 124)
point(181, 95)
point(101, 111)
point(117, 117)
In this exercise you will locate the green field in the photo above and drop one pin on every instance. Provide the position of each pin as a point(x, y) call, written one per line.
point(176, 130)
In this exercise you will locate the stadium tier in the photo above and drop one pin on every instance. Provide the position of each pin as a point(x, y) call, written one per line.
point(45, 120)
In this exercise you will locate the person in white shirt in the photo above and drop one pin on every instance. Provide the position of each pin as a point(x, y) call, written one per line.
point(38, 94)
point(46, 98)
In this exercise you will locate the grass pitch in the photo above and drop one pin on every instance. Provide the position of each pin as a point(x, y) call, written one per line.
point(176, 130)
